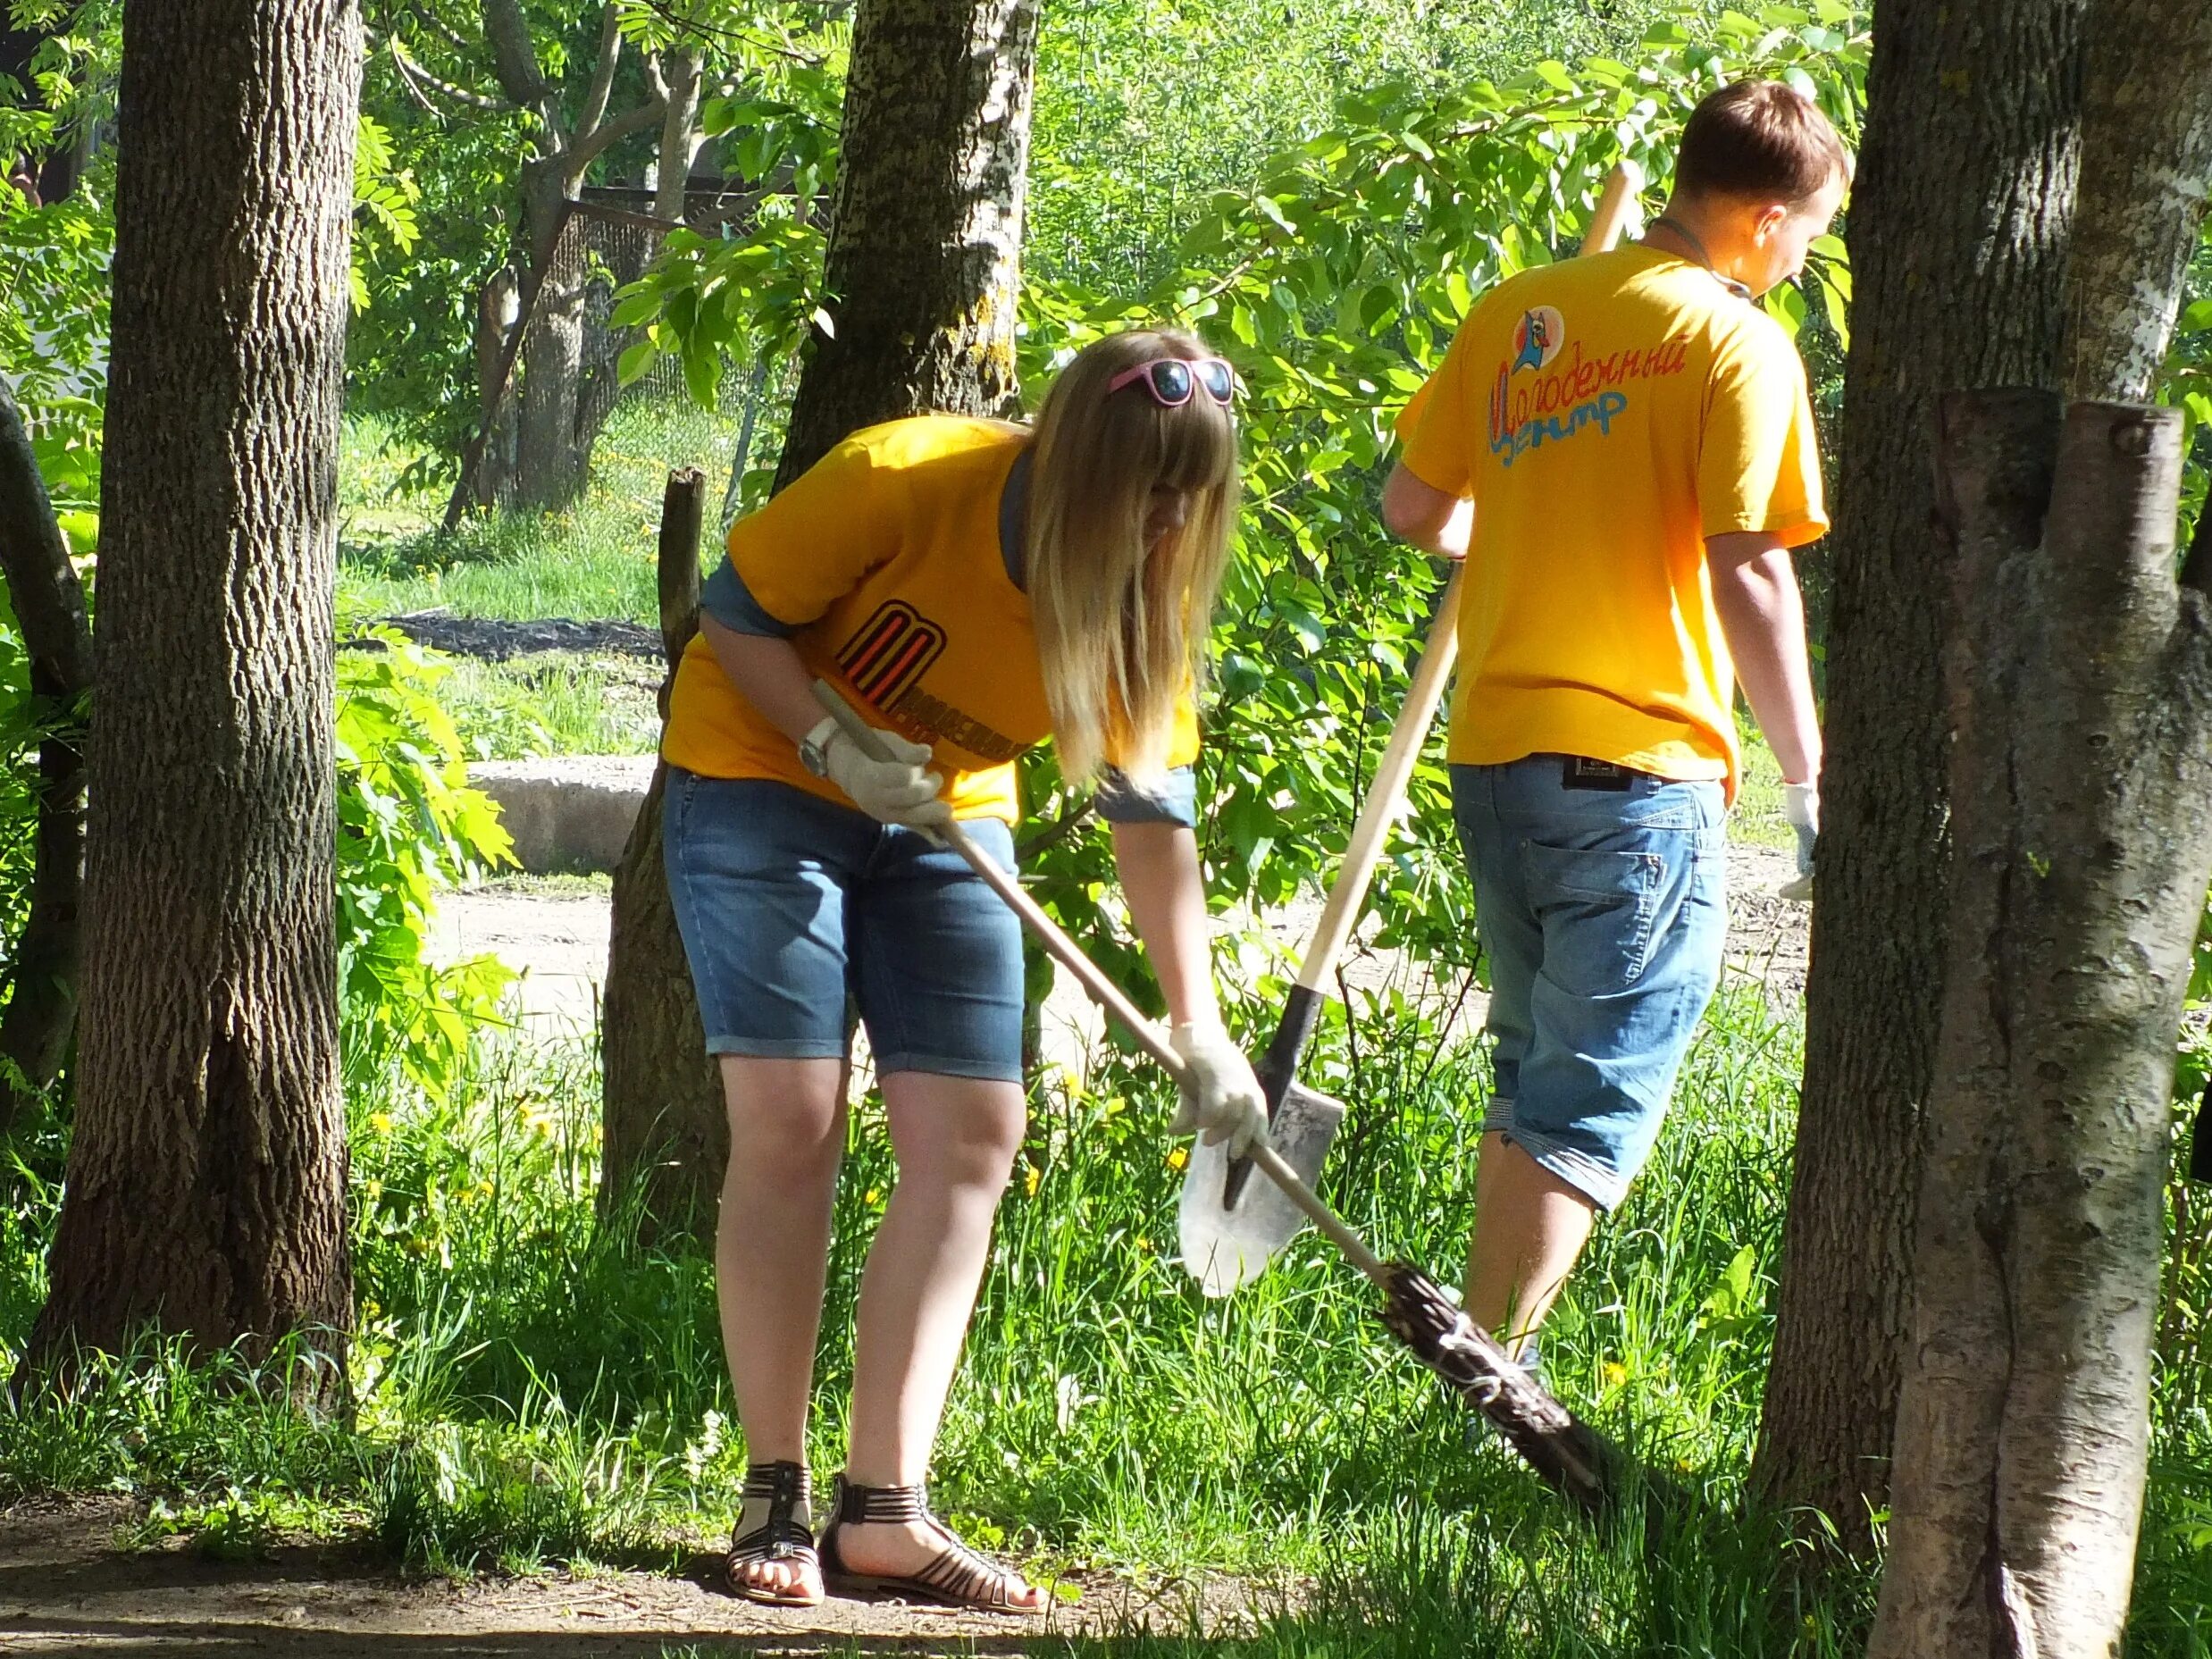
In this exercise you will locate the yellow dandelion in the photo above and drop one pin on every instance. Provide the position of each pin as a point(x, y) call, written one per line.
point(1614, 1373)
point(1144, 1247)
point(871, 1195)
point(380, 1121)
point(1032, 1181)
point(1178, 1156)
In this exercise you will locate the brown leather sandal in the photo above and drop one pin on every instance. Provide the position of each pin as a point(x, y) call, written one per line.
point(774, 1523)
point(957, 1576)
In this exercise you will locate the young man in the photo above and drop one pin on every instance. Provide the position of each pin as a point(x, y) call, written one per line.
point(1621, 449)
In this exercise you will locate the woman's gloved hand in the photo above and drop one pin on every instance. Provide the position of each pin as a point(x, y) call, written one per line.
point(901, 790)
point(1222, 1099)
point(1801, 805)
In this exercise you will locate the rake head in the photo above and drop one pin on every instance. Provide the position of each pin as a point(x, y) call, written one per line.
point(1569, 1453)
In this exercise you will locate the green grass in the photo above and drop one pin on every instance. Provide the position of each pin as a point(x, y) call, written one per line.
point(534, 1385)
point(554, 703)
point(594, 561)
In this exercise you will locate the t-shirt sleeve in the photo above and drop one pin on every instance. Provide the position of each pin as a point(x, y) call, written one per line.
point(1438, 449)
point(819, 536)
point(1758, 460)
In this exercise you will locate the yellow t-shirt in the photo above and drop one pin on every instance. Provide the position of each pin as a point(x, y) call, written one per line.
point(886, 555)
point(1606, 414)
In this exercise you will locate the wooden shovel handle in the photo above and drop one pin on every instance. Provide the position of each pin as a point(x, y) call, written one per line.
point(1616, 208)
point(1386, 795)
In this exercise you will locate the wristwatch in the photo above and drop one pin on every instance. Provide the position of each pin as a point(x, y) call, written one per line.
point(814, 747)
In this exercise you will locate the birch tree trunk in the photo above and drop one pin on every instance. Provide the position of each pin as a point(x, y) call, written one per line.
point(1958, 236)
point(2083, 690)
point(923, 267)
point(207, 1182)
point(2147, 172)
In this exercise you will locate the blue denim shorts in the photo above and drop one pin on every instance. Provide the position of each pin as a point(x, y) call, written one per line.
point(790, 905)
point(1603, 911)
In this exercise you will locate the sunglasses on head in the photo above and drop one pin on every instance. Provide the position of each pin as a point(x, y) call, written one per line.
point(1172, 379)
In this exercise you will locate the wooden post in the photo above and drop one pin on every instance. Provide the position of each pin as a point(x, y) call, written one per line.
point(664, 1136)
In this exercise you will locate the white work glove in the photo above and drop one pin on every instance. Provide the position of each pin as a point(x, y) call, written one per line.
point(1801, 805)
point(1222, 1099)
point(898, 791)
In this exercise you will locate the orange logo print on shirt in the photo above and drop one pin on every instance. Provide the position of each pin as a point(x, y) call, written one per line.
point(890, 652)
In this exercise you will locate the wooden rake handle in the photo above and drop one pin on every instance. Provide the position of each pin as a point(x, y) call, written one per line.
point(1103, 991)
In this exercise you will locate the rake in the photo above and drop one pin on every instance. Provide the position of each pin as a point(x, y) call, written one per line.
point(1567, 1452)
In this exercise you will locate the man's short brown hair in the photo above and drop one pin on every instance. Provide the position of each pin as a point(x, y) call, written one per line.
point(1758, 140)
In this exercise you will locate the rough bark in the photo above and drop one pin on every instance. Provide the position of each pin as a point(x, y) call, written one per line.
point(49, 607)
point(207, 1182)
point(664, 1136)
point(2083, 692)
point(1958, 232)
point(926, 231)
point(925, 241)
point(2147, 169)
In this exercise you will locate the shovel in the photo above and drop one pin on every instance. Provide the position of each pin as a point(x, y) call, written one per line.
point(1228, 1229)
point(1578, 1461)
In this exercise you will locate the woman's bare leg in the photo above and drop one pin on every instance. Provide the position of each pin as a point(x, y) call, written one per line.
point(787, 1133)
point(956, 1138)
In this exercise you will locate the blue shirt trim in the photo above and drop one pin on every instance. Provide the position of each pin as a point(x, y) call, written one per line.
point(1173, 800)
point(729, 602)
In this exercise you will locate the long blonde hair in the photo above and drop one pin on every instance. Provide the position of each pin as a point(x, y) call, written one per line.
point(1121, 630)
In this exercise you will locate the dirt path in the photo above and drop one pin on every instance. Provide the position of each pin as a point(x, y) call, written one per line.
point(553, 931)
point(66, 1589)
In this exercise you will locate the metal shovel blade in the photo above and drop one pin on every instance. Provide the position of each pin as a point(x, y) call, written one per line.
point(1228, 1245)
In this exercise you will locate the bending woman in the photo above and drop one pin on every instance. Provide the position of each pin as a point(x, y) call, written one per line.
point(973, 586)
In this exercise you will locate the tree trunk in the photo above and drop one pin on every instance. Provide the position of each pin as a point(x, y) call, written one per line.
point(2084, 688)
point(925, 232)
point(666, 1134)
point(49, 607)
point(206, 1184)
point(498, 313)
point(1957, 234)
point(2146, 127)
point(679, 136)
point(548, 472)
point(925, 244)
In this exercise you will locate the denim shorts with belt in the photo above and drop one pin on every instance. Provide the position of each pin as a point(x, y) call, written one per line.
point(1602, 897)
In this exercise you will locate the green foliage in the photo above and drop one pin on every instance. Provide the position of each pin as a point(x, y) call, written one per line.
point(407, 823)
point(751, 294)
point(1144, 108)
point(385, 227)
point(54, 309)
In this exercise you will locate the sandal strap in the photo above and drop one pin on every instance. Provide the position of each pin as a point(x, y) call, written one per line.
point(960, 1574)
point(956, 1572)
point(778, 1499)
point(861, 1506)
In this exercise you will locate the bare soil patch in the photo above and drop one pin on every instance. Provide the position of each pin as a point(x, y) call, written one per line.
point(66, 1588)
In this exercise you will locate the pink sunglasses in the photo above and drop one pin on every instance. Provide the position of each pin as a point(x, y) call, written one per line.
point(1172, 379)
